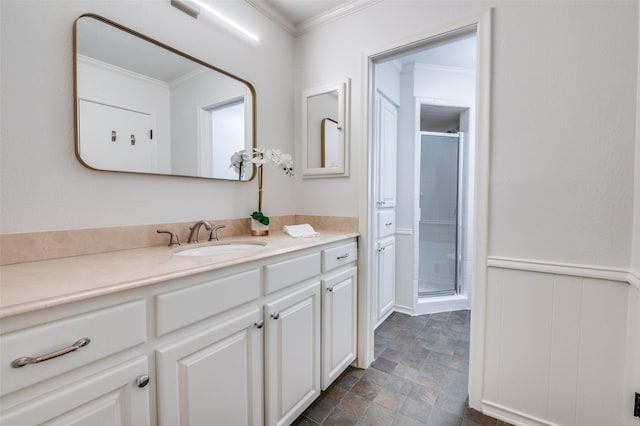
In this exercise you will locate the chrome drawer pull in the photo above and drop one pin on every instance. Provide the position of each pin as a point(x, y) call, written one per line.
point(26, 360)
point(343, 256)
point(142, 380)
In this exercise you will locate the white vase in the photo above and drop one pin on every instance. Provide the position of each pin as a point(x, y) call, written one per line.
point(258, 228)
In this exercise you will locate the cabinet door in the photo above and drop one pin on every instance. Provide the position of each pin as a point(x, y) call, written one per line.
point(386, 140)
point(339, 320)
point(213, 377)
point(386, 277)
point(292, 354)
point(104, 399)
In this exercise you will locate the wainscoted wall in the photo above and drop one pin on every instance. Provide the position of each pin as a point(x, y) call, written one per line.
point(556, 343)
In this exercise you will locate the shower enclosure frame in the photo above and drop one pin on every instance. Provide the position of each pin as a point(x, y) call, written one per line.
point(458, 285)
point(462, 298)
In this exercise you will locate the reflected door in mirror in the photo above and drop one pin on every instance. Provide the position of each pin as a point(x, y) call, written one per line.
point(320, 108)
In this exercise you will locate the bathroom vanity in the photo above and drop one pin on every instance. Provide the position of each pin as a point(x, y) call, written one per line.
point(143, 336)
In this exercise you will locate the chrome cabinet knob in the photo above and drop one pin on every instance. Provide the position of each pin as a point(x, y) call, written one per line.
point(142, 380)
point(259, 324)
point(330, 289)
point(275, 315)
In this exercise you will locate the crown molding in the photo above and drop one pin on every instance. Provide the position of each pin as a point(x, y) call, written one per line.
point(272, 13)
point(348, 8)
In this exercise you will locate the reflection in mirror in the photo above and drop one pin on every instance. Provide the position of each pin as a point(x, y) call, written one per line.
point(144, 107)
point(324, 131)
point(329, 135)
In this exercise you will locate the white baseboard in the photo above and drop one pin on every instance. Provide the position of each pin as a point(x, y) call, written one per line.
point(403, 309)
point(514, 417)
point(432, 305)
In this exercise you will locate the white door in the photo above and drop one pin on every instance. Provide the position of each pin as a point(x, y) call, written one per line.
point(292, 354)
point(213, 377)
point(109, 398)
point(386, 282)
point(386, 141)
point(339, 321)
point(113, 138)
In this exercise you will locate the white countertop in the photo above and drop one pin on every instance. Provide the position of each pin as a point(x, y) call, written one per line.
point(26, 287)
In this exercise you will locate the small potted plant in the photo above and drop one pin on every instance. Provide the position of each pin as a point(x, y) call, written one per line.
point(259, 157)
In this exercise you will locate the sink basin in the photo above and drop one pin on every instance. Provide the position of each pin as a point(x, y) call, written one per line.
point(222, 248)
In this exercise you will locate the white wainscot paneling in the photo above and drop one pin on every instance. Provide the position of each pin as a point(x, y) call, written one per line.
point(555, 348)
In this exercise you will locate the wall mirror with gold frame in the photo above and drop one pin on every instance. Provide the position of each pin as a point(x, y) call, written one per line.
point(145, 107)
point(325, 142)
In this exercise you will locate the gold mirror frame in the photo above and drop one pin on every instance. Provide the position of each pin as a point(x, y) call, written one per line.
point(249, 87)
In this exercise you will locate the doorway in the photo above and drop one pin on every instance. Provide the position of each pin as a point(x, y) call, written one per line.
point(478, 120)
point(425, 218)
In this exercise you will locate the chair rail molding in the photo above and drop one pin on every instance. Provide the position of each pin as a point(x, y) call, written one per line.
point(559, 268)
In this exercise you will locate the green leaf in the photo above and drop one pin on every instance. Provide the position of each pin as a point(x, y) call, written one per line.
point(265, 220)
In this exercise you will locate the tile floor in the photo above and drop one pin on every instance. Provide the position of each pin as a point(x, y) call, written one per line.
point(419, 377)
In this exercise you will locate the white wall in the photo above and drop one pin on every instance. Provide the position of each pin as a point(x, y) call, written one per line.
point(563, 125)
point(635, 257)
point(43, 187)
point(560, 122)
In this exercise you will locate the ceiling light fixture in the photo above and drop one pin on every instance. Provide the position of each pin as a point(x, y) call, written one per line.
point(193, 7)
point(187, 7)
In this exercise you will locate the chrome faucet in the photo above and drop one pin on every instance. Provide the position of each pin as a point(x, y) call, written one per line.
point(214, 232)
point(193, 236)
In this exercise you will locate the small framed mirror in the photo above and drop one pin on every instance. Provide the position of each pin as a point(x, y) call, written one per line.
point(145, 107)
point(325, 142)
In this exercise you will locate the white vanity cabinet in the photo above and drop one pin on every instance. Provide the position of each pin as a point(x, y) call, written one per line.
point(339, 323)
point(248, 344)
point(385, 281)
point(385, 154)
point(292, 354)
point(117, 396)
point(386, 136)
point(70, 350)
point(215, 373)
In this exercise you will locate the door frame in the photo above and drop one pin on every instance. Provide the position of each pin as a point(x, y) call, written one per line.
point(482, 25)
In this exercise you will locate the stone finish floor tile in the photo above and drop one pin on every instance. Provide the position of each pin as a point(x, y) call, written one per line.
point(419, 377)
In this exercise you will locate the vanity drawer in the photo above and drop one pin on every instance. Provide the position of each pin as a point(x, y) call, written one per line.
point(338, 256)
point(110, 330)
point(180, 308)
point(386, 223)
point(282, 274)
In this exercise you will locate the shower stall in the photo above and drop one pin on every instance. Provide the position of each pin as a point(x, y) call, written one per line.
point(440, 234)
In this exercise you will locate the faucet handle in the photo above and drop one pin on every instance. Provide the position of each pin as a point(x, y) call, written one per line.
point(173, 242)
point(214, 232)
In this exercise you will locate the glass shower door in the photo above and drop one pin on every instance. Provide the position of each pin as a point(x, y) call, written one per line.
point(438, 232)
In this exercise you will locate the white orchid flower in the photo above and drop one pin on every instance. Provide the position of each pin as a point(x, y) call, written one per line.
point(273, 155)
